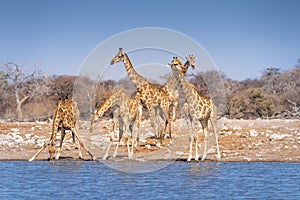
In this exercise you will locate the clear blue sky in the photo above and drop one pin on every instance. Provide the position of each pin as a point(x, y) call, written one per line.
point(242, 36)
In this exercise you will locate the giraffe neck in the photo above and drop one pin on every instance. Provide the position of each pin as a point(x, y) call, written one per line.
point(185, 67)
point(112, 100)
point(172, 82)
point(56, 118)
point(185, 85)
point(136, 78)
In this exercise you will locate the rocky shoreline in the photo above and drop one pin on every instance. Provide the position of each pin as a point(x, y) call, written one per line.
point(276, 140)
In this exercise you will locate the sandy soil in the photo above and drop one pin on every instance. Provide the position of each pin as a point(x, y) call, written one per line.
point(240, 140)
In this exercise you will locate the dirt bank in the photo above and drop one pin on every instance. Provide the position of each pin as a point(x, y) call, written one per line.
point(240, 140)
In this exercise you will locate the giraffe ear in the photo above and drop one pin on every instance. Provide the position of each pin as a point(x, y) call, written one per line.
point(168, 64)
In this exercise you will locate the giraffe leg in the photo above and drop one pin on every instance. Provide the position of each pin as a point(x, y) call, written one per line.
point(168, 121)
point(38, 153)
point(196, 143)
point(122, 124)
point(160, 129)
point(204, 124)
point(174, 108)
point(152, 121)
point(78, 146)
point(133, 141)
point(139, 123)
point(116, 149)
point(107, 150)
point(63, 133)
point(191, 139)
point(214, 126)
point(135, 134)
point(129, 149)
point(128, 141)
point(83, 145)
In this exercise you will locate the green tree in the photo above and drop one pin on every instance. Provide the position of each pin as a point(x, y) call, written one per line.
point(251, 103)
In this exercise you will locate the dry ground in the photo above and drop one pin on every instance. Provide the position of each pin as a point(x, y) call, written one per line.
point(240, 140)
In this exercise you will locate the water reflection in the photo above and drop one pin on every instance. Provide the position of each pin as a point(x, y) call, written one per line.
point(137, 167)
point(203, 168)
point(179, 180)
point(66, 165)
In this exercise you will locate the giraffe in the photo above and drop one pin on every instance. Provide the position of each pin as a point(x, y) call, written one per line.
point(65, 118)
point(199, 109)
point(125, 109)
point(171, 85)
point(154, 99)
point(147, 95)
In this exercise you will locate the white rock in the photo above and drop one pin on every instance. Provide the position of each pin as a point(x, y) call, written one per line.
point(5, 137)
point(253, 133)
point(237, 128)
point(10, 144)
point(229, 133)
point(18, 139)
point(96, 138)
point(179, 153)
point(15, 130)
point(225, 128)
point(276, 136)
point(30, 142)
point(150, 134)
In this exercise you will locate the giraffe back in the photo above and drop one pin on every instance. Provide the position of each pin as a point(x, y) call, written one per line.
point(150, 95)
point(67, 114)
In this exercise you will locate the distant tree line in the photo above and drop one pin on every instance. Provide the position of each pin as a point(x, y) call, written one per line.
point(26, 95)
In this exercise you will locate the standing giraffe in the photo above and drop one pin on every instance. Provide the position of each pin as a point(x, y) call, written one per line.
point(65, 118)
point(199, 109)
point(148, 95)
point(171, 86)
point(126, 110)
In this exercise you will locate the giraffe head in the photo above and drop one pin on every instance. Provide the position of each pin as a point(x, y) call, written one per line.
point(190, 60)
point(95, 119)
point(51, 150)
point(119, 57)
point(176, 64)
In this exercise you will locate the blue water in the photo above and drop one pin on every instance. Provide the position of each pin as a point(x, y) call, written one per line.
point(179, 180)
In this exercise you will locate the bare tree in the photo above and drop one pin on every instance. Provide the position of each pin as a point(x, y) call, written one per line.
point(24, 86)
